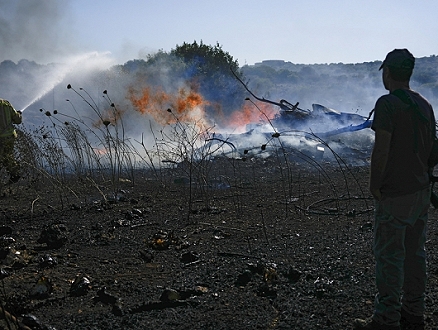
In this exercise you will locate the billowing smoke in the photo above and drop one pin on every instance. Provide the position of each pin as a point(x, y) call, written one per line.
point(151, 98)
point(35, 30)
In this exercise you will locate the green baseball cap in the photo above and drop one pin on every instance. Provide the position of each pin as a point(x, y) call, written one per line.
point(399, 59)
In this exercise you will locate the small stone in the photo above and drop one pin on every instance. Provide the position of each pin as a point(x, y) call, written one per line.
point(80, 286)
point(189, 257)
point(170, 295)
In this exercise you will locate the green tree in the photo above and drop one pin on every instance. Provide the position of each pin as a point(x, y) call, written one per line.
point(210, 68)
point(206, 60)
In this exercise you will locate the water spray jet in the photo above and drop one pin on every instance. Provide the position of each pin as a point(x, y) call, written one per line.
point(89, 61)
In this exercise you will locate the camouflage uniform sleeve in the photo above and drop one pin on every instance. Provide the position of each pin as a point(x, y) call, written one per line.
point(16, 116)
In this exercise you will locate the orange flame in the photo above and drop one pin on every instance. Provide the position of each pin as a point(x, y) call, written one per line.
point(188, 104)
point(251, 113)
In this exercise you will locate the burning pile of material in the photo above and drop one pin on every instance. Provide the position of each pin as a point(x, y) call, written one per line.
point(187, 105)
point(161, 97)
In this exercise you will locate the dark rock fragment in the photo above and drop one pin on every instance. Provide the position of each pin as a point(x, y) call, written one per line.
point(170, 295)
point(6, 243)
point(105, 298)
point(80, 286)
point(32, 322)
point(4, 273)
point(189, 257)
point(42, 289)
point(55, 236)
point(47, 261)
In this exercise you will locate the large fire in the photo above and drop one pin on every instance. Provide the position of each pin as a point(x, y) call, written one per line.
point(189, 106)
point(251, 113)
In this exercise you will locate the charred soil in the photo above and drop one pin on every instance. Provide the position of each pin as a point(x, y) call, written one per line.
point(254, 244)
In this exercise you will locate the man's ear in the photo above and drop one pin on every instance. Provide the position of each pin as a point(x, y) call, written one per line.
point(386, 72)
point(387, 78)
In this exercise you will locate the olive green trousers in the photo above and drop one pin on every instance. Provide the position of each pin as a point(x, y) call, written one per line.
point(399, 250)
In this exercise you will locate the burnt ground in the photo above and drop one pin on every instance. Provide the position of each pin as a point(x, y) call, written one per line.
point(243, 250)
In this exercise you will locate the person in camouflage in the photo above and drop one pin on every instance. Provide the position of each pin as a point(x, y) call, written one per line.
point(8, 117)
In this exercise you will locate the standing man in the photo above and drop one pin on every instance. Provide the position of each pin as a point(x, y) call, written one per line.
point(404, 126)
point(8, 135)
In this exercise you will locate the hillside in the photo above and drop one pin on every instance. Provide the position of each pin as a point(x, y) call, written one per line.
point(345, 87)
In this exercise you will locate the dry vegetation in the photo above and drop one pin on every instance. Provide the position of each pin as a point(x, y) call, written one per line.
point(102, 232)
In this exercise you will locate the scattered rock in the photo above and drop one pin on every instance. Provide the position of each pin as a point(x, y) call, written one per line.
point(220, 234)
point(55, 236)
point(105, 298)
point(189, 257)
point(34, 323)
point(80, 286)
point(4, 273)
point(170, 295)
point(17, 259)
point(42, 289)
point(5, 246)
point(47, 261)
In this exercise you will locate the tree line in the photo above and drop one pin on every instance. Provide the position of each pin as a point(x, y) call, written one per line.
point(345, 87)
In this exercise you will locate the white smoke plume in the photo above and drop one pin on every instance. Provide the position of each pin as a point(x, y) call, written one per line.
point(35, 30)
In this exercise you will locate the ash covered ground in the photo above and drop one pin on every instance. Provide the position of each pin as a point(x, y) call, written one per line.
point(258, 244)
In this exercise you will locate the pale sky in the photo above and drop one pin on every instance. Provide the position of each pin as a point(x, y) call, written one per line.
point(299, 31)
